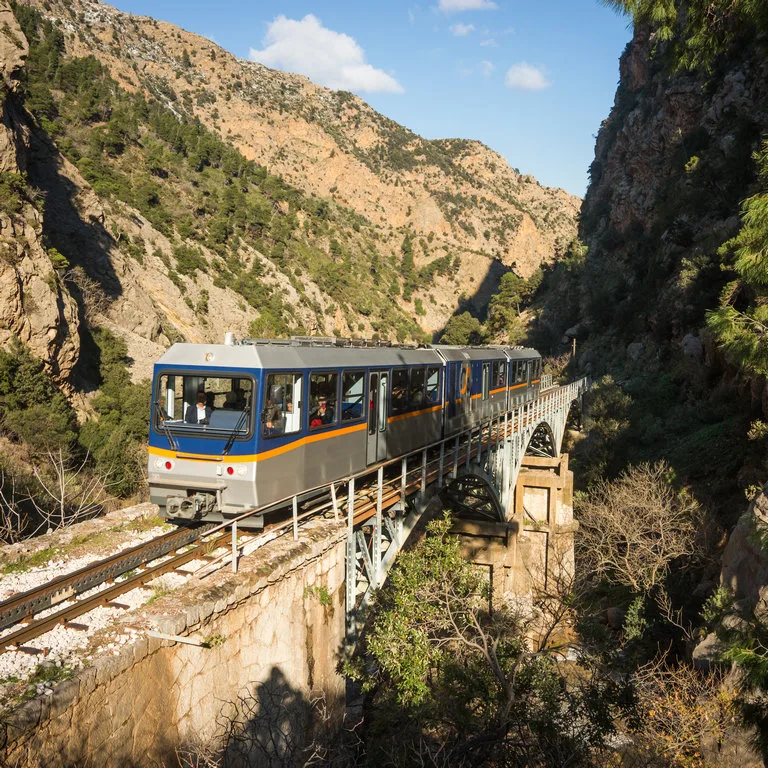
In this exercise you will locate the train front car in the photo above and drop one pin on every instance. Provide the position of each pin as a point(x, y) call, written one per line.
point(202, 436)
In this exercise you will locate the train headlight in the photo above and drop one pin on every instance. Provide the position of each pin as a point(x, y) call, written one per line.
point(169, 465)
point(230, 470)
point(159, 463)
point(242, 471)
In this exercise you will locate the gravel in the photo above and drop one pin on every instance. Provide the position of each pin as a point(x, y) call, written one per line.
point(14, 583)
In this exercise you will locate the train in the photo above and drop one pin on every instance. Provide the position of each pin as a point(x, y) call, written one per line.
point(246, 424)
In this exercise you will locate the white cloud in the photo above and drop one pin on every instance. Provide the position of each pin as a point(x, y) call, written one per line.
point(526, 77)
point(453, 6)
point(461, 30)
point(489, 43)
point(327, 57)
point(485, 68)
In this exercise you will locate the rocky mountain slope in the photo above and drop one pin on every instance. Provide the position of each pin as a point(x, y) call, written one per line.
point(34, 307)
point(674, 162)
point(185, 192)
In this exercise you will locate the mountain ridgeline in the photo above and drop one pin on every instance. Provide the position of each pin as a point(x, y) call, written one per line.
point(184, 192)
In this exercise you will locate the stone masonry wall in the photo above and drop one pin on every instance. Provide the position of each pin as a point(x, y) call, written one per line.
point(281, 619)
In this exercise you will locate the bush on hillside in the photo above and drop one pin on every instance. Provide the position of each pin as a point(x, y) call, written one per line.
point(116, 438)
point(32, 409)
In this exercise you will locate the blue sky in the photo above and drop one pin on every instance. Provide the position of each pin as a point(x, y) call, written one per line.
point(531, 79)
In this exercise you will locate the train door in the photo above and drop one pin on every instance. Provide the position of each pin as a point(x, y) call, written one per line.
point(465, 386)
point(378, 390)
point(450, 389)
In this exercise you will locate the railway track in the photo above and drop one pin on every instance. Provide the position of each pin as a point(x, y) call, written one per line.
point(197, 543)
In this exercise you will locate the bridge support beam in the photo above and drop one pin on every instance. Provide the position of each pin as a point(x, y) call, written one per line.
point(533, 551)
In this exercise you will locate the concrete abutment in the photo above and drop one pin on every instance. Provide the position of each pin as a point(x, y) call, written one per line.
point(533, 550)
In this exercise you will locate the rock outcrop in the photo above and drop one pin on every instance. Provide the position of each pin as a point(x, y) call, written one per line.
point(35, 305)
point(745, 559)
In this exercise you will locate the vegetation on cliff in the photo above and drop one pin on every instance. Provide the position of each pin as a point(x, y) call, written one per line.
point(203, 195)
point(666, 301)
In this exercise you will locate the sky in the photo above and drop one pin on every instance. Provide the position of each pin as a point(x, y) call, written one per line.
point(532, 79)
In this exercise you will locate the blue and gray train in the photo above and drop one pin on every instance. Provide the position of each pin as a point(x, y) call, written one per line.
point(245, 424)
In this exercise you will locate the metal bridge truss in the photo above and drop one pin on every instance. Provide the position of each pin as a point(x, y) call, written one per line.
point(481, 466)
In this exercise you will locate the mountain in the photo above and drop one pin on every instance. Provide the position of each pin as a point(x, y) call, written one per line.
point(672, 207)
point(169, 190)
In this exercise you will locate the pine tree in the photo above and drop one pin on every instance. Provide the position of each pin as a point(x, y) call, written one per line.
point(740, 324)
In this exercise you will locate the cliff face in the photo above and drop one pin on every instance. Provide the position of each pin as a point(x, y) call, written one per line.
point(673, 161)
point(35, 306)
point(363, 186)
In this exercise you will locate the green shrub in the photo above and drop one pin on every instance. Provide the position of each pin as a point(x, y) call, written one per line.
point(32, 409)
point(116, 437)
point(13, 188)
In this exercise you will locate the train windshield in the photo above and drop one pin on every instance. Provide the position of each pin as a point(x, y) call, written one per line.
point(210, 405)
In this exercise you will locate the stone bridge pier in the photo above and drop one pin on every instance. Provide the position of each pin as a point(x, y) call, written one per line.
point(533, 550)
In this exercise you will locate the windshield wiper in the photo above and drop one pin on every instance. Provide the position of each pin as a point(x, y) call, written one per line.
point(233, 434)
point(164, 428)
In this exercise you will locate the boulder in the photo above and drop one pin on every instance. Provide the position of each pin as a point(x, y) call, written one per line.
point(707, 653)
point(693, 346)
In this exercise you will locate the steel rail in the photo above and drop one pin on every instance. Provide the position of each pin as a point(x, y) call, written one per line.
point(41, 626)
point(26, 604)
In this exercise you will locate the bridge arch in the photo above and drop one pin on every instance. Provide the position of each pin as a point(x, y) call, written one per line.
point(473, 494)
point(543, 442)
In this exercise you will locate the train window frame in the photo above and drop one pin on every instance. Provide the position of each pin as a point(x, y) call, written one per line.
point(361, 372)
point(406, 388)
point(180, 428)
point(432, 401)
point(298, 413)
point(335, 372)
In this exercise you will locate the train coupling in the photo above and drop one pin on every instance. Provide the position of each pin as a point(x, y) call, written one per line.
point(193, 507)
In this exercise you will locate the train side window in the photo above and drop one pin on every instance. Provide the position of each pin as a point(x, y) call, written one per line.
point(498, 374)
point(486, 380)
point(520, 374)
point(399, 391)
point(417, 396)
point(281, 414)
point(323, 389)
point(352, 395)
point(433, 385)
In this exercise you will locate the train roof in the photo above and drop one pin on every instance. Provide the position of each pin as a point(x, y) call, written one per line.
point(293, 356)
point(316, 353)
point(487, 352)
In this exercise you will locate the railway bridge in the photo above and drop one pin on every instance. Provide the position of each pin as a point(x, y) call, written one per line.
point(293, 598)
point(501, 479)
